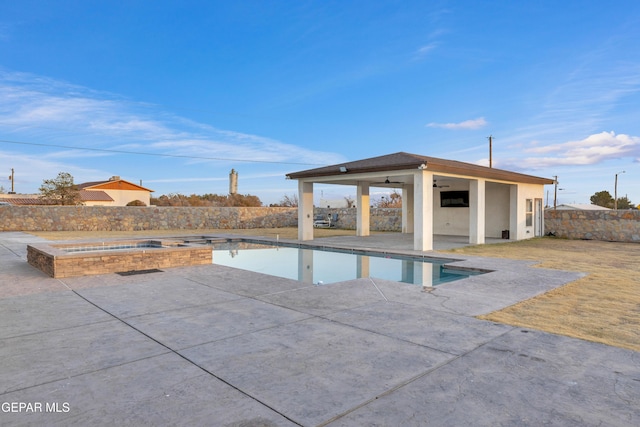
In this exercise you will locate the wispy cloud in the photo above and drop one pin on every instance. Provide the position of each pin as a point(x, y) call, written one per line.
point(432, 43)
point(32, 169)
point(581, 100)
point(48, 126)
point(5, 30)
point(594, 149)
point(422, 51)
point(467, 124)
point(42, 110)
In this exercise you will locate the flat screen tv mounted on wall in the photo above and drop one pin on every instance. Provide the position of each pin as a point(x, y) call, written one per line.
point(454, 199)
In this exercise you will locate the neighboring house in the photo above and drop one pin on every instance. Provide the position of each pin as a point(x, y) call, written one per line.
point(120, 192)
point(578, 207)
point(113, 192)
point(439, 196)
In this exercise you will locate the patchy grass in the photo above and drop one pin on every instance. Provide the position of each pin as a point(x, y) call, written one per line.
point(603, 307)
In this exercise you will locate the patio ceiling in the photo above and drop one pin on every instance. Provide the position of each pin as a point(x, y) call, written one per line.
point(396, 179)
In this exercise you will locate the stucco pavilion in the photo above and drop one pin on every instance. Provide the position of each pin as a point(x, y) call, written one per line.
point(438, 197)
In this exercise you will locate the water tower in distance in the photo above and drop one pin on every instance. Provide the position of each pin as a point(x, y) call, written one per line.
point(233, 182)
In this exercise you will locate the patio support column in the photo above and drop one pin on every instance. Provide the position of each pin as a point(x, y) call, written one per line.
point(423, 211)
point(305, 210)
point(363, 209)
point(363, 266)
point(407, 208)
point(477, 200)
point(514, 219)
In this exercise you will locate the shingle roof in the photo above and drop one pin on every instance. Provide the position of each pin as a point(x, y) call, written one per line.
point(89, 184)
point(22, 201)
point(404, 161)
point(85, 196)
point(94, 196)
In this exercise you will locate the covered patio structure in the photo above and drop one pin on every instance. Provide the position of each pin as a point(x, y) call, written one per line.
point(438, 197)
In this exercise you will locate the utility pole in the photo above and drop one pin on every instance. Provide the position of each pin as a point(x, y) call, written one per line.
point(555, 192)
point(547, 203)
point(12, 179)
point(490, 151)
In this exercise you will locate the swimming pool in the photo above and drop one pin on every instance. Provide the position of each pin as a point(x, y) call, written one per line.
point(323, 266)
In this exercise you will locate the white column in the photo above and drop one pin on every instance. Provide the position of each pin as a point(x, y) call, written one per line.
point(363, 266)
point(423, 211)
point(305, 210)
point(363, 209)
point(514, 215)
point(305, 266)
point(477, 200)
point(407, 208)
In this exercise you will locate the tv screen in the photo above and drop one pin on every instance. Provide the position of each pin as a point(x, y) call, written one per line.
point(454, 199)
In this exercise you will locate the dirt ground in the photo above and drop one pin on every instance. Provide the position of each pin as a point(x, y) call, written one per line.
point(603, 307)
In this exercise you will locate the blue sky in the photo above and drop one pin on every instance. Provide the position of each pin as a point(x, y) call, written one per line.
point(272, 87)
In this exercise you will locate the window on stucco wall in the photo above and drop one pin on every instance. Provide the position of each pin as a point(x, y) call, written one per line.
point(529, 212)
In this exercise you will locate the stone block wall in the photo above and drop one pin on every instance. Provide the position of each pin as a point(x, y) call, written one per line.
point(133, 218)
point(612, 226)
point(619, 226)
point(381, 219)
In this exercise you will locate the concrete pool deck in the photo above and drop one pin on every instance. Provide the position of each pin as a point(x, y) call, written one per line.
point(211, 345)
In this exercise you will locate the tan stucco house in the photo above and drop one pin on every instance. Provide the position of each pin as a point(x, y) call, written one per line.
point(120, 192)
point(439, 196)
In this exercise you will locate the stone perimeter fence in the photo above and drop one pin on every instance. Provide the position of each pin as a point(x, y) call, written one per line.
point(134, 218)
point(616, 226)
point(608, 226)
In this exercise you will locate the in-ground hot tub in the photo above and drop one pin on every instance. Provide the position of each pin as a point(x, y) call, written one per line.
point(87, 258)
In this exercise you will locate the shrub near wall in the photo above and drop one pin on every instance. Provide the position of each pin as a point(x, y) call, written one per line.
point(133, 218)
point(612, 226)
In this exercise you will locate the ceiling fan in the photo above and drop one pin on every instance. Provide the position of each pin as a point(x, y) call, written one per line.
point(387, 182)
point(435, 185)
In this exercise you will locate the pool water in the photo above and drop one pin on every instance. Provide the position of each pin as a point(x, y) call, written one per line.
point(319, 267)
point(112, 247)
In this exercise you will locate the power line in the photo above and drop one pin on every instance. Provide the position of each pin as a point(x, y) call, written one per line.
point(140, 153)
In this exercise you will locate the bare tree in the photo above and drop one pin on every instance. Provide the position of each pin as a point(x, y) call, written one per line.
point(60, 190)
point(393, 201)
point(289, 201)
point(350, 201)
